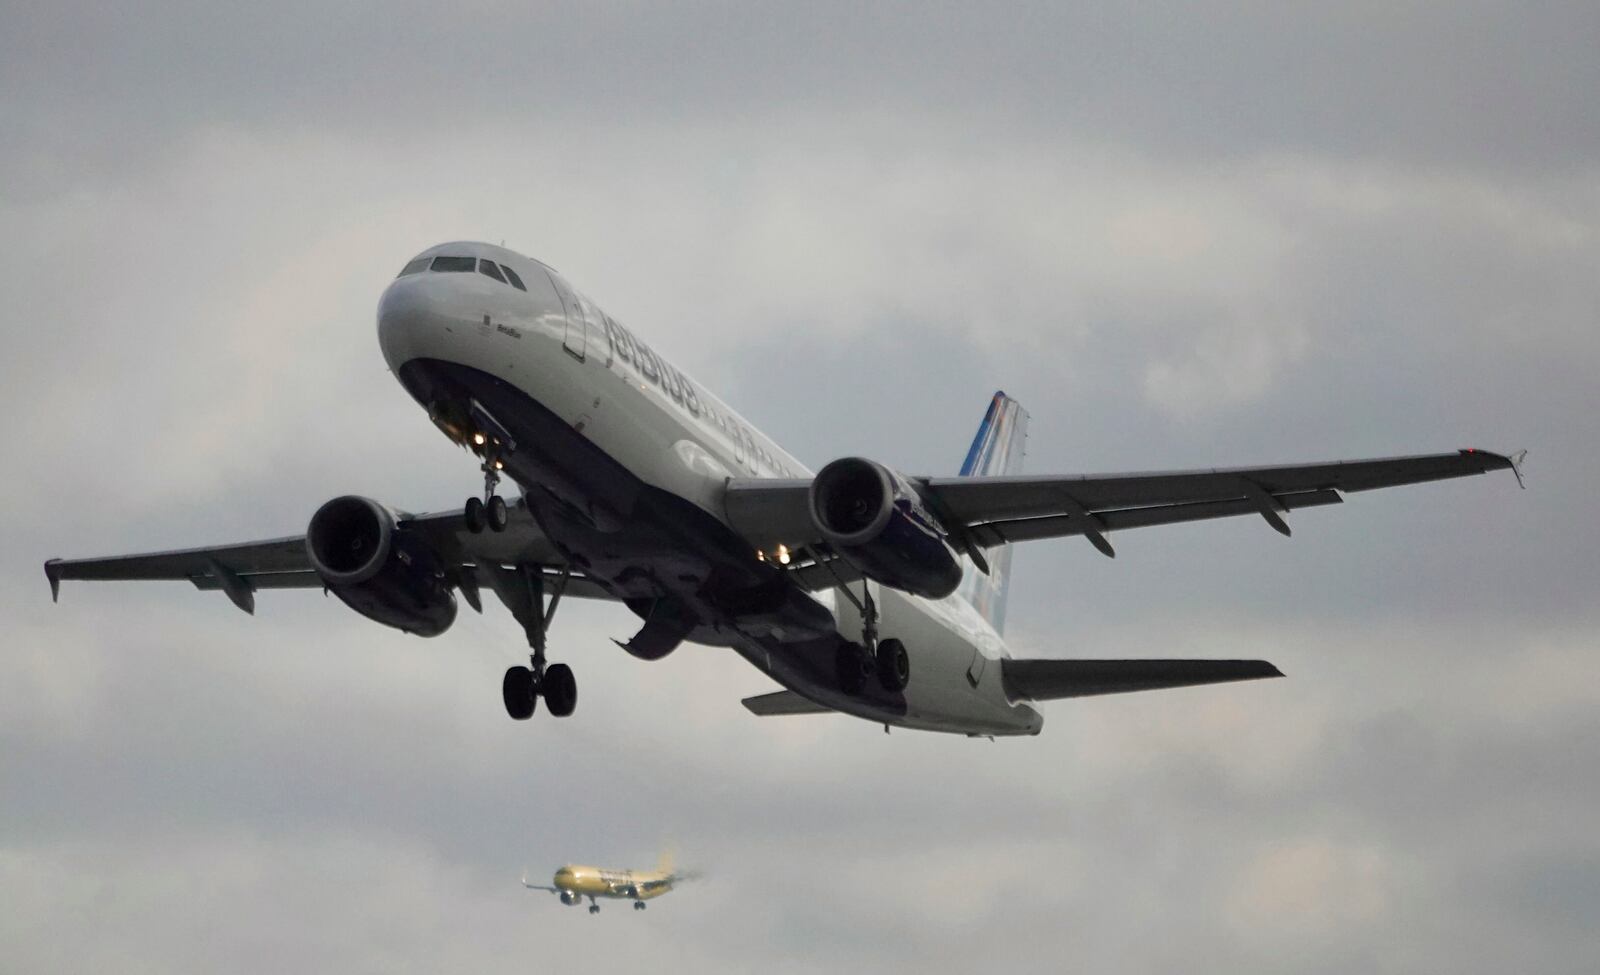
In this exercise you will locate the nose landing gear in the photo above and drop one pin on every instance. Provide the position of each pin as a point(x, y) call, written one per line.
point(490, 510)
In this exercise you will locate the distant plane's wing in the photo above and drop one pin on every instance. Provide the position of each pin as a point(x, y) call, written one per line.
point(783, 702)
point(553, 890)
point(991, 511)
point(281, 563)
point(1047, 680)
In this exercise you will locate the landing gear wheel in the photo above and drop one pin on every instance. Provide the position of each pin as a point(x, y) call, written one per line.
point(518, 692)
point(474, 515)
point(594, 908)
point(560, 690)
point(854, 666)
point(498, 517)
point(638, 905)
point(893, 665)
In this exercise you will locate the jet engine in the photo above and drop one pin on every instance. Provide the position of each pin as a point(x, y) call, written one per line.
point(873, 517)
point(381, 570)
point(571, 897)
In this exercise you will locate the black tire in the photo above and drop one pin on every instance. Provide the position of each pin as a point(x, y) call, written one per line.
point(474, 515)
point(893, 665)
point(497, 515)
point(517, 691)
point(594, 908)
point(560, 690)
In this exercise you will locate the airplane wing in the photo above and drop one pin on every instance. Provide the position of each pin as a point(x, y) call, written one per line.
point(990, 511)
point(240, 570)
point(1048, 680)
point(553, 890)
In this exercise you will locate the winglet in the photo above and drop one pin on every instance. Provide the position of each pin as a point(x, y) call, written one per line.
point(52, 571)
point(1516, 458)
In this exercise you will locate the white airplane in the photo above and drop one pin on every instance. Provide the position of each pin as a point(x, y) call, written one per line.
point(858, 589)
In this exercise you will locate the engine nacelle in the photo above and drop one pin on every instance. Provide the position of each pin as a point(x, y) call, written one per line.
point(873, 517)
point(570, 897)
point(380, 570)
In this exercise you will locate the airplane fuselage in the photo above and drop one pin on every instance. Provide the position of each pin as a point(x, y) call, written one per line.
point(578, 881)
point(622, 460)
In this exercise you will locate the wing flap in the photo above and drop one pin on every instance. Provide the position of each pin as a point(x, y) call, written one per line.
point(305, 579)
point(1047, 680)
point(1058, 526)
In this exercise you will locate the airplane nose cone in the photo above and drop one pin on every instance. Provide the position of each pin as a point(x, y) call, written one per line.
point(409, 313)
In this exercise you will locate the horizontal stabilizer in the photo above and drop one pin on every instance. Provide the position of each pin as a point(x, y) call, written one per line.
point(1046, 680)
point(783, 702)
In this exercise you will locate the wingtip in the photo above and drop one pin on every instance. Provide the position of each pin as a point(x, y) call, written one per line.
point(1512, 459)
point(52, 571)
point(1516, 457)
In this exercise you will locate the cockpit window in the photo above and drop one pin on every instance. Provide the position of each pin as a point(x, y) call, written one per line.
point(511, 276)
point(486, 266)
point(420, 264)
point(442, 263)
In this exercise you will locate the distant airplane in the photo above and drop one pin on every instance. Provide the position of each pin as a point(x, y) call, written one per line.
point(860, 589)
point(574, 882)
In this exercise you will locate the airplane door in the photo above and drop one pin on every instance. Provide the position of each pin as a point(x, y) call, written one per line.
point(577, 327)
point(570, 303)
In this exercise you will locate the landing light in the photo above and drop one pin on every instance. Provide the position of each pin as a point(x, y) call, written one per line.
point(783, 555)
point(499, 465)
point(479, 439)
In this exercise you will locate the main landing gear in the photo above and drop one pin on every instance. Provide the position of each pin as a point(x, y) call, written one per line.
point(638, 905)
point(490, 510)
point(523, 686)
point(885, 659)
point(594, 906)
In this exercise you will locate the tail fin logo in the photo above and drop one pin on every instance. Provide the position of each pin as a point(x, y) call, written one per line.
point(997, 448)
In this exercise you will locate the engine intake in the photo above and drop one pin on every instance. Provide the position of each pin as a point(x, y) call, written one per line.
point(873, 517)
point(382, 571)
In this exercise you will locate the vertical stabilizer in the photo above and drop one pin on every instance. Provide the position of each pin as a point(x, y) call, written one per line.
point(997, 448)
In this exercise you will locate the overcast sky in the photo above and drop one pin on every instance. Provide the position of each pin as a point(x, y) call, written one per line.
point(1185, 235)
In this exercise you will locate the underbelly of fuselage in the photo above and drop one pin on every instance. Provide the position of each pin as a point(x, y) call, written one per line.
point(644, 544)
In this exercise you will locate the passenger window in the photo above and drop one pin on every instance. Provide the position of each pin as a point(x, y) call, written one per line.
point(488, 267)
point(511, 276)
point(420, 264)
point(443, 263)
